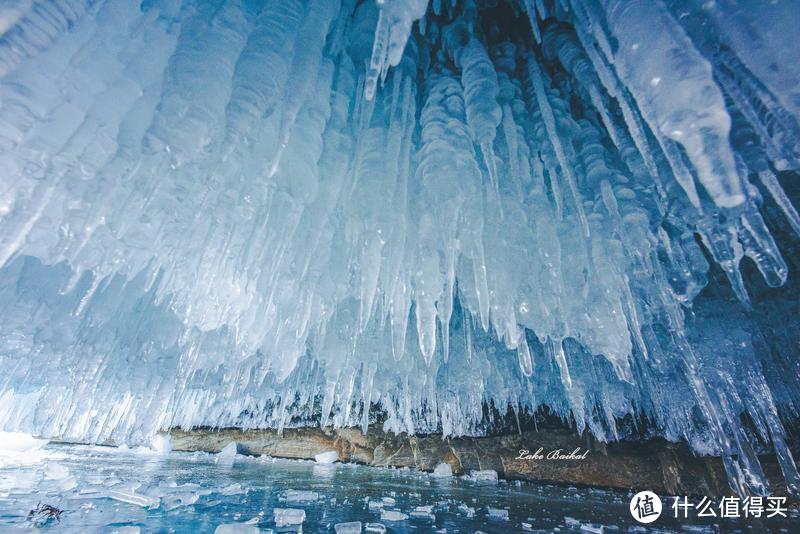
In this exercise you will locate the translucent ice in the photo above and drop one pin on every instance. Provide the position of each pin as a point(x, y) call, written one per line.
point(301, 496)
point(328, 457)
point(485, 475)
point(131, 497)
point(228, 452)
point(443, 470)
point(56, 471)
point(161, 444)
point(352, 527)
point(427, 215)
point(497, 513)
point(236, 528)
point(288, 516)
point(393, 515)
point(17, 448)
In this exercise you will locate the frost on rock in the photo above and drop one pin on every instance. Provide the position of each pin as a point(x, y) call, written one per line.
point(430, 215)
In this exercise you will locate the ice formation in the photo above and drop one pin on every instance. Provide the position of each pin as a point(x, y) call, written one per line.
point(266, 213)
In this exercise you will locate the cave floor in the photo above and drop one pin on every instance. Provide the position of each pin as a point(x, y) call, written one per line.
point(103, 489)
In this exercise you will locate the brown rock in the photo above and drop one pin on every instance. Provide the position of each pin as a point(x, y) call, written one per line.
point(656, 465)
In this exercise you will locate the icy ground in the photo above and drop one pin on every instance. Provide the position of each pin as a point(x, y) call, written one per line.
point(106, 489)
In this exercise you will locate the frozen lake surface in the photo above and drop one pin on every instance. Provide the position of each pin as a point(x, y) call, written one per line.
point(104, 489)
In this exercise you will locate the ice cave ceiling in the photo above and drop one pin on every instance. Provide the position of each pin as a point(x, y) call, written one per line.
point(281, 212)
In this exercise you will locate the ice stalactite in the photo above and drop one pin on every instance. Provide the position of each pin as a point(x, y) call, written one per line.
point(420, 214)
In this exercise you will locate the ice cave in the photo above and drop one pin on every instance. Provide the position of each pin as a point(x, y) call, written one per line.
point(369, 265)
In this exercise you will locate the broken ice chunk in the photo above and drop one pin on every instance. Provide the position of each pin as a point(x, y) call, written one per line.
point(393, 515)
point(485, 475)
point(424, 512)
point(374, 527)
point(466, 510)
point(353, 527)
point(68, 484)
point(176, 500)
point(55, 471)
point(227, 453)
point(233, 489)
point(443, 470)
point(236, 528)
point(20, 449)
point(497, 513)
point(132, 497)
point(301, 496)
point(289, 516)
point(388, 500)
point(161, 444)
point(327, 457)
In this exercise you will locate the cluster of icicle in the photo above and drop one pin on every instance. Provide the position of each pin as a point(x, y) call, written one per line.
point(284, 212)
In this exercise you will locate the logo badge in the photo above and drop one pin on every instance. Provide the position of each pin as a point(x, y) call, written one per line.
point(645, 507)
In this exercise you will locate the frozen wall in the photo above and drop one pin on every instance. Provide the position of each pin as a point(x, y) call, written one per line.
point(270, 213)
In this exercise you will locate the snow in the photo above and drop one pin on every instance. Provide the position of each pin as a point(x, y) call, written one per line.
point(319, 211)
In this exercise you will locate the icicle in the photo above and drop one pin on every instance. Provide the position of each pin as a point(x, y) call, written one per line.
point(695, 116)
point(550, 123)
point(770, 181)
point(759, 245)
point(557, 349)
point(305, 65)
point(395, 18)
point(530, 9)
point(524, 353)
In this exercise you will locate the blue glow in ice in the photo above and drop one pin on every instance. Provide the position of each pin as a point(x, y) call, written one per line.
point(270, 213)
